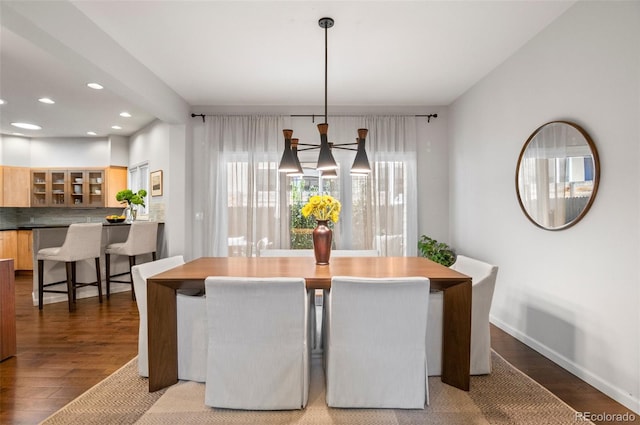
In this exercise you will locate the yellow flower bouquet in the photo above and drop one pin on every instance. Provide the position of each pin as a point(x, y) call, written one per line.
point(322, 207)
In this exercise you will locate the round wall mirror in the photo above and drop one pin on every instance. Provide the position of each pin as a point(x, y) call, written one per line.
point(557, 175)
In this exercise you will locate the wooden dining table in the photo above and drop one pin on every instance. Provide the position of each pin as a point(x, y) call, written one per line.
point(161, 301)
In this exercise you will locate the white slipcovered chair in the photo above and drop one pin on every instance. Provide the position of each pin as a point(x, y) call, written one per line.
point(82, 242)
point(355, 253)
point(142, 239)
point(375, 342)
point(191, 323)
point(286, 253)
point(259, 346)
point(483, 277)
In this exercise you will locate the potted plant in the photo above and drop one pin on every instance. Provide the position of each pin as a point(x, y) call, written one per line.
point(436, 251)
point(132, 199)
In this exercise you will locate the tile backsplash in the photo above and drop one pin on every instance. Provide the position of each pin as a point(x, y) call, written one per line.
point(11, 218)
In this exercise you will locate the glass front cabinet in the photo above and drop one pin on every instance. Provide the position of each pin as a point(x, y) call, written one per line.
point(67, 188)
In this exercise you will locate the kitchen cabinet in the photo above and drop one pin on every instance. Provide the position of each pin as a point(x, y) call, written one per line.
point(15, 186)
point(25, 250)
point(9, 244)
point(116, 181)
point(68, 188)
point(7, 310)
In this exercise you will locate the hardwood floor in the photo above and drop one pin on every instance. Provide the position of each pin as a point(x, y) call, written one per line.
point(62, 354)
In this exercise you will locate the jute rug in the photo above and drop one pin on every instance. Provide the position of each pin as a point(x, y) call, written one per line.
point(507, 396)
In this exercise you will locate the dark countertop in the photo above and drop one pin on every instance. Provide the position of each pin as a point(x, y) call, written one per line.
point(54, 226)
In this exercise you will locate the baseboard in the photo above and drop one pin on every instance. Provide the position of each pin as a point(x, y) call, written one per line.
point(602, 385)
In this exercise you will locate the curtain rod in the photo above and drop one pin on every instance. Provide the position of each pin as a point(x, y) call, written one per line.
point(313, 116)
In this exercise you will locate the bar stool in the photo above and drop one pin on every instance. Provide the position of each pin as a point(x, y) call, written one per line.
point(142, 239)
point(82, 242)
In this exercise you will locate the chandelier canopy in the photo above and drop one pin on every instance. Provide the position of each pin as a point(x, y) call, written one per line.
point(327, 164)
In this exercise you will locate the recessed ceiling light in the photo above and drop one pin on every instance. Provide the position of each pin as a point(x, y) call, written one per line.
point(95, 86)
point(26, 126)
point(2, 102)
point(17, 134)
point(125, 114)
point(92, 133)
point(116, 127)
point(46, 100)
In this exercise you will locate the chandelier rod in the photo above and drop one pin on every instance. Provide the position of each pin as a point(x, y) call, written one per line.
point(326, 25)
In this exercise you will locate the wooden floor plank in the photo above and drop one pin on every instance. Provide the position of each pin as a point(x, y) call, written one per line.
point(62, 354)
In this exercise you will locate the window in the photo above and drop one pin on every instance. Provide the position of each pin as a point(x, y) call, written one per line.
point(139, 179)
point(374, 208)
point(300, 190)
point(252, 199)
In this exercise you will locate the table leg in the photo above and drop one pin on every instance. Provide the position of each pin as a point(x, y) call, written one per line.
point(162, 336)
point(456, 335)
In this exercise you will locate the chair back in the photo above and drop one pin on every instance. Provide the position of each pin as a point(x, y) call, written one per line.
point(258, 354)
point(476, 269)
point(83, 240)
point(286, 253)
point(142, 238)
point(376, 342)
point(483, 278)
point(140, 275)
point(355, 253)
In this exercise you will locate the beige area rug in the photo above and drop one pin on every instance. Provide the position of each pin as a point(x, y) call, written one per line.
point(507, 396)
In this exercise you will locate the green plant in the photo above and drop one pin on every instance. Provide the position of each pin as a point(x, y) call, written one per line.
point(130, 197)
point(436, 251)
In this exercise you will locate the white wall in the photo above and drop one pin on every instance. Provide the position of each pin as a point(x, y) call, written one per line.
point(119, 150)
point(433, 177)
point(163, 146)
point(572, 295)
point(69, 152)
point(15, 151)
point(64, 152)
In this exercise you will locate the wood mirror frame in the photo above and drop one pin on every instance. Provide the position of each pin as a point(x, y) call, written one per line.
point(557, 175)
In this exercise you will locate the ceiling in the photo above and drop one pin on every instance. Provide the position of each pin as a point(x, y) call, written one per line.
point(164, 59)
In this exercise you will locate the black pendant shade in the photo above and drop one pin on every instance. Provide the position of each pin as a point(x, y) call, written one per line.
point(294, 152)
point(290, 163)
point(361, 162)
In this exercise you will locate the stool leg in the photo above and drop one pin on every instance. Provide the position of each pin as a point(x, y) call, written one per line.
point(153, 256)
point(98, 280)
point(74, 280)
point(132, 262)
point(107, 259)
point(70, 285)
point(40, 283)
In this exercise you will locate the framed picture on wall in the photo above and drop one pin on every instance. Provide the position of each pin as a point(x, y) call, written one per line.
point(156, 183)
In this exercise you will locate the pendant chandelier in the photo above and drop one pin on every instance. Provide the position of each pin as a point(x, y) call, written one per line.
point(290, 163)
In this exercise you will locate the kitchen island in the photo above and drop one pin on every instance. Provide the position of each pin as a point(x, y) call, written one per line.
point(50, 236)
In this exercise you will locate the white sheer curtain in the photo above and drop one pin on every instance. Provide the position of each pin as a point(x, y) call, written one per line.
point(241, 199)
point(237, 184)
point(391, 188)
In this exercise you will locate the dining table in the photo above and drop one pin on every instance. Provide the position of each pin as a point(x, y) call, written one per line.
point(162, 318)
